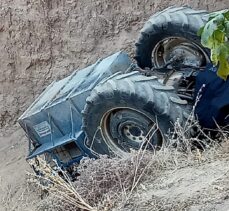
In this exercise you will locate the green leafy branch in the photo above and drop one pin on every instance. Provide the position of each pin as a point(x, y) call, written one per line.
point(215, 36)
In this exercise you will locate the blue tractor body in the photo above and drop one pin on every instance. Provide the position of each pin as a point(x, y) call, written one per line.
point(53, 122)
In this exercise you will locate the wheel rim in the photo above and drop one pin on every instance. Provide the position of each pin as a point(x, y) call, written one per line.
point(124, 129)
point(192, 53)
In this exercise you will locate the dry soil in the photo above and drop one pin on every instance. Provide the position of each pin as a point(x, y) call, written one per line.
point(45, 40)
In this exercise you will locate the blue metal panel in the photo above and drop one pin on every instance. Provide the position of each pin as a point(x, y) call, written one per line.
point(55, 117)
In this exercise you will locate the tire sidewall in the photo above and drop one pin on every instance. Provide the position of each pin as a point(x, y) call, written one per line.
point(99, 145)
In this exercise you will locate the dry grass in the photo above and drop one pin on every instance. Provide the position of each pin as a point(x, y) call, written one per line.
point(59, 187)
point(106, 184)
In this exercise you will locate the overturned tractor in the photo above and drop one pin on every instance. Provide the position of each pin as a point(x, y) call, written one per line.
point(115, 105)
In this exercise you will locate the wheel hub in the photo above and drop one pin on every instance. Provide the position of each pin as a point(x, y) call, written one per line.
point(124, 129)
point(134, 133)
point(191, 53)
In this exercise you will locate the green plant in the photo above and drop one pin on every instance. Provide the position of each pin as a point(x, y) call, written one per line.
point(215, 36)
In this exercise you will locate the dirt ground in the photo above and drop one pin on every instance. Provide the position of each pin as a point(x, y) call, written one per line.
point(202, 187)
point(45, 40)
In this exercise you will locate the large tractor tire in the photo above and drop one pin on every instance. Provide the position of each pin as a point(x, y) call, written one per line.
point(130, 111)
point(172, 32)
